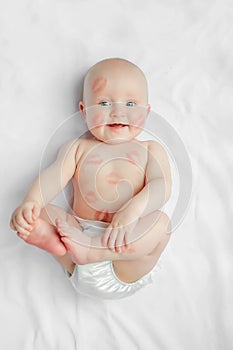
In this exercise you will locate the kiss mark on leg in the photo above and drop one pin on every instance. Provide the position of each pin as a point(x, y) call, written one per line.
point(99, 84)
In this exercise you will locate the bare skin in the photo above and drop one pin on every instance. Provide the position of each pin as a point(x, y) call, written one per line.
point(116, 179)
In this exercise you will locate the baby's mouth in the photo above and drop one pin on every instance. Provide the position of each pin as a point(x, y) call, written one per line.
point(116, 125)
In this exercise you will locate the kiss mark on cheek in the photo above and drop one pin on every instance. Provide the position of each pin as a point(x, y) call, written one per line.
point(113, 178)
point(97, 120)
point(91, 197)
point(133, 157)
point(94, 159)
point(99, 84)
point(139, 120)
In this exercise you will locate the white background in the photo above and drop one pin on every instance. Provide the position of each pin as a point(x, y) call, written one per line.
point(185, 49)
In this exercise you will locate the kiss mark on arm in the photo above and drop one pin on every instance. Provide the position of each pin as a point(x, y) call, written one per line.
point(99, 84)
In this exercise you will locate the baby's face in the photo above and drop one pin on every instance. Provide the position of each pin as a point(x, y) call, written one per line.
point(115, 104)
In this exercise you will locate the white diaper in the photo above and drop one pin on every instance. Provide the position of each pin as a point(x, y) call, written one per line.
point(98, 280)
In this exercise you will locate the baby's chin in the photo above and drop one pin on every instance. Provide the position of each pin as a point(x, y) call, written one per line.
point(120, 135)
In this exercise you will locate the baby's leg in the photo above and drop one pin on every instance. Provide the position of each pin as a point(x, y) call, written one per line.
point(129, 266)
point(44, 234)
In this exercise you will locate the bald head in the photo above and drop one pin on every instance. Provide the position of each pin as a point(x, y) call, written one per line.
point(99, 76)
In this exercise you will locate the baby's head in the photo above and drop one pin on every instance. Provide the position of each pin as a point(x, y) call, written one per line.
point(115, 100)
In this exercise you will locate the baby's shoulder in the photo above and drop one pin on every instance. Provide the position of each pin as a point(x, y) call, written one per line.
point(151, 145)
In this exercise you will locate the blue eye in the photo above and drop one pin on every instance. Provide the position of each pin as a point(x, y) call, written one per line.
point(130, 104)
point(105, 103)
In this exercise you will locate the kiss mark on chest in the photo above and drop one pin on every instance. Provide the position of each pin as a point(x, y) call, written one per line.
point(93, 158)
point(113, 178)
point(91, 197)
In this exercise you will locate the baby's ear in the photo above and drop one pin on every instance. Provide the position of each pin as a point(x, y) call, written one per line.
point(82, 109)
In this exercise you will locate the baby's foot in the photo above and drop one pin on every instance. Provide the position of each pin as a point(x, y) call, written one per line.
point(45, 236)
point(76, 242)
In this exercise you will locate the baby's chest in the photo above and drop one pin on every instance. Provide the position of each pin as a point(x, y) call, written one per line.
point(112, 174)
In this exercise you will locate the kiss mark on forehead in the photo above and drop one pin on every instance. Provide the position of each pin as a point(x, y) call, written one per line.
point(99, 84)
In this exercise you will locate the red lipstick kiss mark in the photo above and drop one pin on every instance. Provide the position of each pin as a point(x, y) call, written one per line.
point(91, 197)
point(133, 157)
point(113, 178)
point(139, 120)
point(97, 120)
point(102, 216)
point(94, 159)
point(99, 84)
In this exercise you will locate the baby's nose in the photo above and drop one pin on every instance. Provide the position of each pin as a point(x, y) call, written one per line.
point(117, 110)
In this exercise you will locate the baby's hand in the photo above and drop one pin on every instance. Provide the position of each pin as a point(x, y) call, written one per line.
point(117, 235)
point(24, 216)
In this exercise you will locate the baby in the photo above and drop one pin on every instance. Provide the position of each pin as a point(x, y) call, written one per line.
point(109, 246)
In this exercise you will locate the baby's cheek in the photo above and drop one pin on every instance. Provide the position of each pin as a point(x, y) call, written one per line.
point(138, 120)
point(97, 120)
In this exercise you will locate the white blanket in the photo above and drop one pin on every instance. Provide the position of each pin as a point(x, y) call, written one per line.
point(185, 49)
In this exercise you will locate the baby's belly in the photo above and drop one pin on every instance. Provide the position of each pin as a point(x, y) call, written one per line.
point(100, 198)
point(107, 177)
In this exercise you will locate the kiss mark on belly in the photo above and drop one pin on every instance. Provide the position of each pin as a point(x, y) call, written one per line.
point(94, 159)
point(113, 178)
point(133, 157)
point(91, 197)
point(99, 84)
point(102, 216)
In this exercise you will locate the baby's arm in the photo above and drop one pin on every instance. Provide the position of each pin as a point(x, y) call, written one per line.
point(45, 187)
point(152, 197)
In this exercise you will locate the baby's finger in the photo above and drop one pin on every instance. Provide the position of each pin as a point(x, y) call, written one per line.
point(22, 231)
point(20, 221)
point(120, 240)
point(12, 226)
point(106, 235)
point(112, 239)
point(27, 214)
point(23, 235)
point(36, 212)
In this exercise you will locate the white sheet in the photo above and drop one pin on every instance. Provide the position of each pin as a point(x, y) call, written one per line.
point(185, 49)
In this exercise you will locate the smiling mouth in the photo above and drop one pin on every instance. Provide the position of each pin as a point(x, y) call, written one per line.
point(117, 125)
